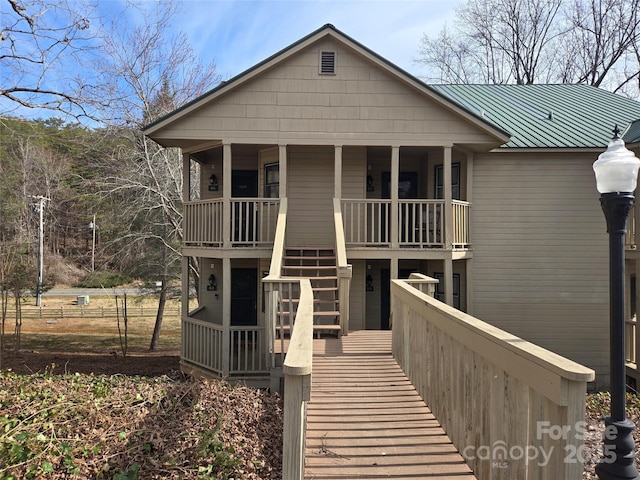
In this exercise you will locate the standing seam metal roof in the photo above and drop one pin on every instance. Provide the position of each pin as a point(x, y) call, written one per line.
point(548, 116)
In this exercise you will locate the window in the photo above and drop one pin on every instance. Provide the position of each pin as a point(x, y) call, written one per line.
point(327, 63)
point(272, 180)
point(455, 181)
point(440, 288)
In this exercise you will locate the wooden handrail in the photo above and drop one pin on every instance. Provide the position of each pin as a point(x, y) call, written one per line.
point(278, 242)
point(341, 249)
point(297, 386)
point(490, 389)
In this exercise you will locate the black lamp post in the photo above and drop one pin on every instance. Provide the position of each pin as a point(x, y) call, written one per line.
point(616, 176)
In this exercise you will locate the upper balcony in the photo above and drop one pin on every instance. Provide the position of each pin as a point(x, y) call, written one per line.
point(368, 223)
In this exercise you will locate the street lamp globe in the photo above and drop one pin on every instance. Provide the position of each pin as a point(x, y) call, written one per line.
point(617, 168)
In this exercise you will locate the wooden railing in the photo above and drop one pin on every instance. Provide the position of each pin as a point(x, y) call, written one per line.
point(203, 342)
point(253, 222)
point(203, 223)
point(461, 235)
point(500, 399)
point(344, 269)
point(366, 222)
point(630, 236)
point(630, 341)
point(297, 386)
point(420, 223)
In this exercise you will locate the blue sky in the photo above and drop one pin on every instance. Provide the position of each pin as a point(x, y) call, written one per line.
point(237, 34)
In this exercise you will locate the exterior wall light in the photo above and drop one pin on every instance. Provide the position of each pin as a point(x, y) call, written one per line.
point(369, 283)
point(212, 286)
point(213, 183)
point(616, 173)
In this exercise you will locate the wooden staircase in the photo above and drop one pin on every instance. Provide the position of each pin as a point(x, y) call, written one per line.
point(319, 266)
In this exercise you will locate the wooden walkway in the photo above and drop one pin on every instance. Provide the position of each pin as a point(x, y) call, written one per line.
point(365, 419)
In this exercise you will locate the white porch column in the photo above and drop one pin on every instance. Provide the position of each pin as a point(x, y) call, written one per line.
point(393, 268)
point(469, 285)
point(282, 169)
point(337, 174)
point(394, 228)
point(469, 261)
point(186, 196)
point(226, 195)
point(448, 281)
point(186, 177)
point(448, 203)
point(226, 315)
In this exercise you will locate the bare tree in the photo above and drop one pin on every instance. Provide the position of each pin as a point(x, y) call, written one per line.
point(153, 73)
point(42, 42)
point(603, 34)
point(538, 41)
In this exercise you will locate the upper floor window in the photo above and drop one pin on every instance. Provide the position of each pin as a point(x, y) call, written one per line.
point(455, 181)
point(272, 180)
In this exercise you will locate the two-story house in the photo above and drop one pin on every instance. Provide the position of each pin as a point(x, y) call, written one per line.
point(329, 162)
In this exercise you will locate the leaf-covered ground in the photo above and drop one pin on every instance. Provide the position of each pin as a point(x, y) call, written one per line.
point(128, 427)
point(598, 406)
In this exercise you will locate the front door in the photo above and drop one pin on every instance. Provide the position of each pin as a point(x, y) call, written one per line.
point(244, 184)
point(244, 296)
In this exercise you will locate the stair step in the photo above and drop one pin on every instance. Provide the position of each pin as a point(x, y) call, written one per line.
point(325, 289)
point(309, 257)
point(326, 314)
point(315, 300)
point(316, 327)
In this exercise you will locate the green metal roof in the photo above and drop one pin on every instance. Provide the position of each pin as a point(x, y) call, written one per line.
point(548, 116)
point(632, 135)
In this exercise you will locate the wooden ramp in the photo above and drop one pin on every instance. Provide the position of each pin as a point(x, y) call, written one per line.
point(365, 419)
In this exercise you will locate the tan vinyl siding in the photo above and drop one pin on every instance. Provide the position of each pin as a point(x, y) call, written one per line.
point(211, 301)
point(291, 101)
point(310, 184)
point(354, 172)
point(540, 266)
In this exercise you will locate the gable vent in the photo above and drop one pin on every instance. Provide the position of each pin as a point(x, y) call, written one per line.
point(327, 63)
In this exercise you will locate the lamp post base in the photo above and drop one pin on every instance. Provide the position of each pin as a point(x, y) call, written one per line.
point(619, 459)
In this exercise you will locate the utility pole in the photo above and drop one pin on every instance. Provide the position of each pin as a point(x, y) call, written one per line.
point(40, 209)
point(93, 245)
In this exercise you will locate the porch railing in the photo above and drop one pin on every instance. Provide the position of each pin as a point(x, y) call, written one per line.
point(630, 332)
point(461, 235)
point(253, 222)
point(203, 342)
point(297, 386)
point(345, 270)
point(420, 223)
point(203, 223)
point(630, 236)
point(496, 395)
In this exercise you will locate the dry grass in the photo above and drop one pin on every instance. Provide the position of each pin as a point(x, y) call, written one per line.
point(97, 335)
